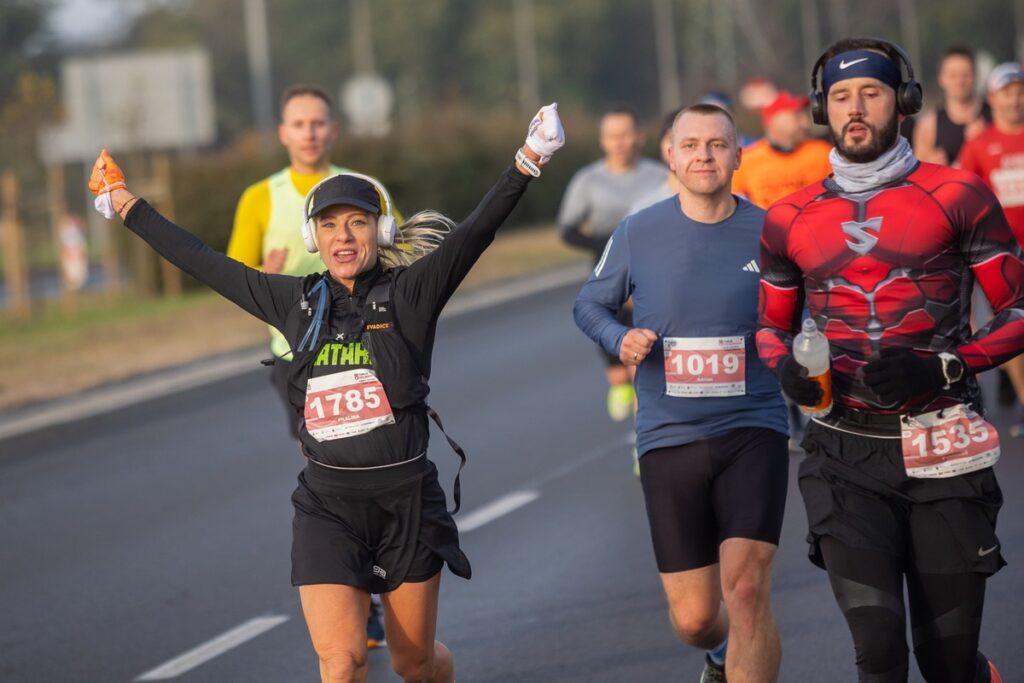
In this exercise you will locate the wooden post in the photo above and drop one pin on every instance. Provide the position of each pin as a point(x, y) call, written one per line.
point(143, 260)
point(111, 262)
point(15, 267)
point(58, 213)
point(142, 266)
point(164, 202)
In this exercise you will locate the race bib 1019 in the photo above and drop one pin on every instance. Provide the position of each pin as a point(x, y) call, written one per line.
point(697, 367)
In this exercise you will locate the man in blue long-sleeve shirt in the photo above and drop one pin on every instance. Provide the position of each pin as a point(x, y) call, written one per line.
point(711, 423)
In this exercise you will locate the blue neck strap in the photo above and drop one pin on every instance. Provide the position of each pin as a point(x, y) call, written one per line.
point(313, 331)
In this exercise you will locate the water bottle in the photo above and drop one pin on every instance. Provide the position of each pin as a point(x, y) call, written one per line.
point(810, 349)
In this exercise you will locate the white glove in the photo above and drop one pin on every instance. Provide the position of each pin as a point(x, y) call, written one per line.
point(545, 135)
point(105, 205)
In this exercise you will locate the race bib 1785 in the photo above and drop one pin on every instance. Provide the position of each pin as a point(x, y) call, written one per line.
point(345, 404)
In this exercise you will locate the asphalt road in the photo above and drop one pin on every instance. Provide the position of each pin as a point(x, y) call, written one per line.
point(129, 539)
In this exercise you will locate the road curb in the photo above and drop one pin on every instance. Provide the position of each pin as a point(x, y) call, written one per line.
point(107, 398)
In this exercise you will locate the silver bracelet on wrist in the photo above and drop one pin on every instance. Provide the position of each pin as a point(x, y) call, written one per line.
point(527, 163)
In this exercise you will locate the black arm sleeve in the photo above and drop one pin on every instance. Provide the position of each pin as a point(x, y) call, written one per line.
point(427, 284)
point(571, 234)
point(266, 296)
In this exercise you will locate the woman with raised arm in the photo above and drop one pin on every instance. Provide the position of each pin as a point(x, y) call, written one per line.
point(370, 515)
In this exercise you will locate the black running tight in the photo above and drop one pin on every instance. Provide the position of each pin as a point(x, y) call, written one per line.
point(945, 617)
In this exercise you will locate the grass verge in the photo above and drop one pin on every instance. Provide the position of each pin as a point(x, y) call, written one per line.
point(57, 353)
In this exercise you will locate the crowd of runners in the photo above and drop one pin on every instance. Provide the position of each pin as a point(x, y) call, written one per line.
point(899, 238)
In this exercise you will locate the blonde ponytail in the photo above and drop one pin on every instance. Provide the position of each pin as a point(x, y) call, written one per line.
point(417, 237)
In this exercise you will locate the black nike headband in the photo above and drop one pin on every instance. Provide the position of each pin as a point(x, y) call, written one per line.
point(860, 64)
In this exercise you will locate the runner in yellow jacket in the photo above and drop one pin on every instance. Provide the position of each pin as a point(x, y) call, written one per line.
point(266, 231)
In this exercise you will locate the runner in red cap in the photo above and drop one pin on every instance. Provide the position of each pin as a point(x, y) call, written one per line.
point(785, 159)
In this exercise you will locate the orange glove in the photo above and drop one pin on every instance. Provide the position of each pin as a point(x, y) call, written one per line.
point(106, 174)
point(106, 177)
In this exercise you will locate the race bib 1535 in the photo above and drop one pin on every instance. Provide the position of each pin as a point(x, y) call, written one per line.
point(947, 442)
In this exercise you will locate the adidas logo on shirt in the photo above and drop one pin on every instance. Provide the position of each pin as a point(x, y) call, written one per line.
point(752, 267)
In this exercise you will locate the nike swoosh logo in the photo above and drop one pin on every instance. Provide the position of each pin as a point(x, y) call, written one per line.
point(982, 552)
point(845, 64)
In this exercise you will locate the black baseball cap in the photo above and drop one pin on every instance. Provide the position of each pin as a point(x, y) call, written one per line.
point(345, 189)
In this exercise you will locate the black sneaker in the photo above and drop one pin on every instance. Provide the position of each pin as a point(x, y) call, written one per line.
point(712, 673)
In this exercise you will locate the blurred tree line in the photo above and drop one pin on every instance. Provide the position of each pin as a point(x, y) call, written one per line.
point(454, 68)
point(28, 88)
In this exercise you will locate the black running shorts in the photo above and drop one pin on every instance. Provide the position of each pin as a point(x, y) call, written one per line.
point(373, 529)
point(856, 490)
point(701, 493)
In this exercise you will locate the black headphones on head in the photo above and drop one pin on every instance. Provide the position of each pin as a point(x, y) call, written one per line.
point(909, 95)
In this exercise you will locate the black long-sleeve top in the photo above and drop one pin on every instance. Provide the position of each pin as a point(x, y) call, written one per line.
point(419, 292)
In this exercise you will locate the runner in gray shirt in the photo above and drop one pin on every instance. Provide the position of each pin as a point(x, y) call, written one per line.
point(602, 193)
point(599, 196)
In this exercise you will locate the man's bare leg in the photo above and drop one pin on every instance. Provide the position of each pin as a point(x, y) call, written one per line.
point(695, 606)
point(755, 651)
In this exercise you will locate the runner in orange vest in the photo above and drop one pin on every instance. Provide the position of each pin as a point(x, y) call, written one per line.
point(785, 159)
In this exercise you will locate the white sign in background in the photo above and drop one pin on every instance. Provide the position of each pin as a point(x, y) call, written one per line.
point(368, 101)
point(138, 101)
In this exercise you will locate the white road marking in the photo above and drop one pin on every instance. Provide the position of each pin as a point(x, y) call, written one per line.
point(495, 509)
point(487, 297)
point(104, 400)
point(513, 501)
point(467, 522)
point(628, 440)
point(212, 648)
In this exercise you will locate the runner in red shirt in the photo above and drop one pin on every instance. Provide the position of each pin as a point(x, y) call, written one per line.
point(997, 155)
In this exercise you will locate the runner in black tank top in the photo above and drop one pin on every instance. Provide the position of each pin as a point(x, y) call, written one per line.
point(937, 135)
point(949, 136)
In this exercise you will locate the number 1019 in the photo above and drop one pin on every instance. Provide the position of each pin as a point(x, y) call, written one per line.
point(697, 364)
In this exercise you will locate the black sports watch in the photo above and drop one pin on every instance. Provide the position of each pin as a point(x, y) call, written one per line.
point(952, 368)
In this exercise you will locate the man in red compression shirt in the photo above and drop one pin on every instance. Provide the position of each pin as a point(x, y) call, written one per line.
point(898, 482)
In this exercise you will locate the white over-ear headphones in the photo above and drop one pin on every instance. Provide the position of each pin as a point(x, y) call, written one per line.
point(387, 228)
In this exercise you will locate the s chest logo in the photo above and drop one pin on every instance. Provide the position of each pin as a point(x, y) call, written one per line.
point(861, 241)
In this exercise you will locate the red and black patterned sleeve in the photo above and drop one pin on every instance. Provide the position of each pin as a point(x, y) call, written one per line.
point(991, 250)
point(781, 298)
